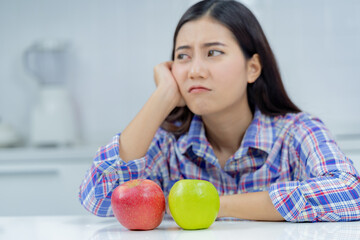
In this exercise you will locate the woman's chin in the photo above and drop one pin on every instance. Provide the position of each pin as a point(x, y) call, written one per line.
point(200, 109)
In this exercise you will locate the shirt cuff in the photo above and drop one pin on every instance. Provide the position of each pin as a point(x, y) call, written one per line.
point(290, 202)
point(115, 171)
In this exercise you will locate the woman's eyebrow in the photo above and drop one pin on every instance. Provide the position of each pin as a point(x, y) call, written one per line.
point(210, 44)
point(182, 47)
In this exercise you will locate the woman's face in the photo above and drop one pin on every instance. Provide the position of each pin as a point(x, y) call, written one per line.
point(210, 68)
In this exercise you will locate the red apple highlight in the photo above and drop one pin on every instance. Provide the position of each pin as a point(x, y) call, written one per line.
point(138, 204)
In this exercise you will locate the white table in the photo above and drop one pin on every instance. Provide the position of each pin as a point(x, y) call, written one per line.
point(96, 228)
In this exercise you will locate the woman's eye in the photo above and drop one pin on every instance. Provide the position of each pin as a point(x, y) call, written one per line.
point(213, 53)
point(182, 56)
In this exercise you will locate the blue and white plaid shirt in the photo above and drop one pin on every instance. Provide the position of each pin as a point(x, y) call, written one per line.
point(294, 157)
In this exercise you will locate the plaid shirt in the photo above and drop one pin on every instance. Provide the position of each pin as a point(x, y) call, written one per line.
point(294, 157)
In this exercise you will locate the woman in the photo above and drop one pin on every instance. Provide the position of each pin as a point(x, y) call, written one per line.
point(220, 113)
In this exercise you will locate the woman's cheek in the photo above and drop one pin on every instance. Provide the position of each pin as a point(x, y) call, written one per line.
point(178, 73)
point(174, 70)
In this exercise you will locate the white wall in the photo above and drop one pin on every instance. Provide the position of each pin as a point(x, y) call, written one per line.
point(116, 43)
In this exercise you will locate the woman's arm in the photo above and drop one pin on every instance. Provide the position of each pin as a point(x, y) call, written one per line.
point(328, 189)
point(112, 166)
point(251, 206)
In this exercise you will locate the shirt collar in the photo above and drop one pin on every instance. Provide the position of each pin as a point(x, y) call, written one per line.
point(195, 137)
point(258, 135)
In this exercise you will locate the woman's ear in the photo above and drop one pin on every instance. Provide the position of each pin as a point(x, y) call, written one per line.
point(253, 68)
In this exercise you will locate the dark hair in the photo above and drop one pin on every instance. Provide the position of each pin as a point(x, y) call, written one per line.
point(267, 92)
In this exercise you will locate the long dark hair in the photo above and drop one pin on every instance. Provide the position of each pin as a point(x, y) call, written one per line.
point(267, 92)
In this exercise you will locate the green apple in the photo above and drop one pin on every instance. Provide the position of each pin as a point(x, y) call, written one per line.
point(194, 204)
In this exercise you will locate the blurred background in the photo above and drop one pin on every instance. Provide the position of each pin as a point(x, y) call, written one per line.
point(74, 73)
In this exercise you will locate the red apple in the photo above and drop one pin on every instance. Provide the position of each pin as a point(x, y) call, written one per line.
point(138, 204)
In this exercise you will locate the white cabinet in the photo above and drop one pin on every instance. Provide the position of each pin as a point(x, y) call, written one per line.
point(355, 157)
point(42, 182)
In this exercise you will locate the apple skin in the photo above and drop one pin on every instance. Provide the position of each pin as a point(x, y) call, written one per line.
point(138, 204)
point(194, 204)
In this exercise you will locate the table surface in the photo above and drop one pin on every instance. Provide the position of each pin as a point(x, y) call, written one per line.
point(96, 228)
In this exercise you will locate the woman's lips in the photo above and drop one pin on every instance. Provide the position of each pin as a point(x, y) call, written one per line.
point(198, 89)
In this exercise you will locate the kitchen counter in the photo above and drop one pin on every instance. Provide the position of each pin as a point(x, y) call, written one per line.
point(28, 154)
point(97, 228)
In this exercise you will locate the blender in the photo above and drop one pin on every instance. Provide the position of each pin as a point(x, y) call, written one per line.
point(52, 120)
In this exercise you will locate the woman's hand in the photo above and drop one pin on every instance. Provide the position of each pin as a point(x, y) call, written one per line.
point(166, 82)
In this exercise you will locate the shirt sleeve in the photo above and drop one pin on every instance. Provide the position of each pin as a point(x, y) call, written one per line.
point(331, 191)
point(108, 171)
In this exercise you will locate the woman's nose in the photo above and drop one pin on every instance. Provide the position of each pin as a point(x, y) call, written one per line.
point(198, 69)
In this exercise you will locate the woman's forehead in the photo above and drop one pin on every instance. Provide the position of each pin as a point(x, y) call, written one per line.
point(203, 30)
